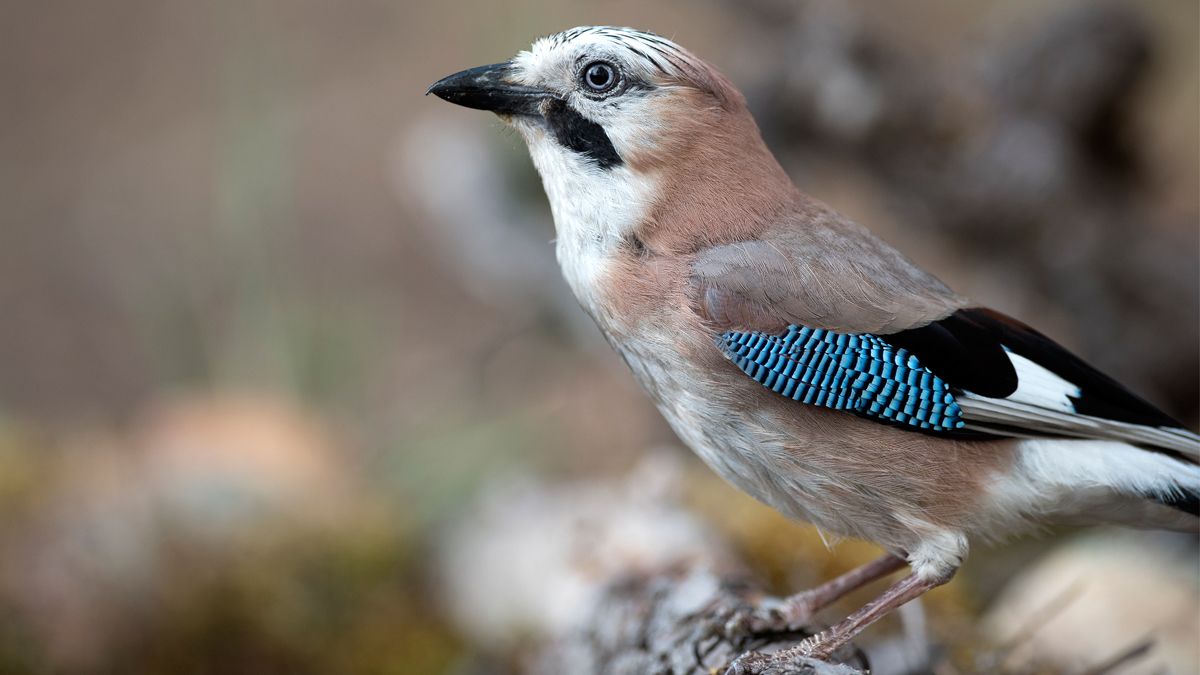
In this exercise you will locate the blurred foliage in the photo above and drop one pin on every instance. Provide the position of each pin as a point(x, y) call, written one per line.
point(306, 578)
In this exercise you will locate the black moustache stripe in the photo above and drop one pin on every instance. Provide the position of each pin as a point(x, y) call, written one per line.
point(579, 134)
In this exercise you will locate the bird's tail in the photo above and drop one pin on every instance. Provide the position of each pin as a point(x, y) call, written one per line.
point(1143, 482)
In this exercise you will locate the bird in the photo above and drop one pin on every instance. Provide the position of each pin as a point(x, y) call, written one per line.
point(802, 358)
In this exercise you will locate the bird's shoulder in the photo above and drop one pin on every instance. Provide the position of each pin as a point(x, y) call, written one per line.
point(814, 267)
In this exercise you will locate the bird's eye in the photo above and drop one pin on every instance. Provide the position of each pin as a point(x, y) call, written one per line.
point(599, 77)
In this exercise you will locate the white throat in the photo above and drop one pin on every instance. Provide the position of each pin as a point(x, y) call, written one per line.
point(595, 210)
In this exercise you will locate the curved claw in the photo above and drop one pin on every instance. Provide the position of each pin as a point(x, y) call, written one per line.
point(713, 625)
point(791, 614)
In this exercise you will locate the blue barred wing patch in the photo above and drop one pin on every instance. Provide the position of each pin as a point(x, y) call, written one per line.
point(858, 373)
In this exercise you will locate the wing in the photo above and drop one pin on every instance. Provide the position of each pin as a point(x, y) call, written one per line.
point(879, 338)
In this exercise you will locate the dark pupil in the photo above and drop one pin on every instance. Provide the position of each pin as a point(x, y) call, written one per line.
point(599, 76)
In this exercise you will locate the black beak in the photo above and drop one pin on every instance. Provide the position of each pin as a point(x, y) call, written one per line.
point(487, 88)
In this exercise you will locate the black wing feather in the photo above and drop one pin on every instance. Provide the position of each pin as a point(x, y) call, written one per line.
point(967, 350)
point(962, 352)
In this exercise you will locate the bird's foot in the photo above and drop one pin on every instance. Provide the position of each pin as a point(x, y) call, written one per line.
point(724, 623)
point(744, 623)
point(745, 626)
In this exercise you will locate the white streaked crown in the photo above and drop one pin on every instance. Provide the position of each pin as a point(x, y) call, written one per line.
point(646, 55)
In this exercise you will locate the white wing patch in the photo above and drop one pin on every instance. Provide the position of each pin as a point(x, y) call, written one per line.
point(1038, 387)
point(1042, 405)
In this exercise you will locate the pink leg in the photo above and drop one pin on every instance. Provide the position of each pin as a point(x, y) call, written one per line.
point(821, 646)
point(798, 609)
point(909, 588)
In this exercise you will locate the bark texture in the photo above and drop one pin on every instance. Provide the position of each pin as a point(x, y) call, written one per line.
point(672, 623)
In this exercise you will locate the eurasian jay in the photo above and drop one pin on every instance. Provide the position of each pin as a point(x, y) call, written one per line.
point(803, 359)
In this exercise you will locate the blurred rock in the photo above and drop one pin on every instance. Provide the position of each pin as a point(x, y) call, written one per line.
point(127, 524)
point(1098, 598)
point(531, 559)
point(234, 463)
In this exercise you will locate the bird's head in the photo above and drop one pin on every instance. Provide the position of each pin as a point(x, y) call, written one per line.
point(619, 122)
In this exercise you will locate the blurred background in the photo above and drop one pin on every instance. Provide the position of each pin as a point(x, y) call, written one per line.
point(289, 382)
